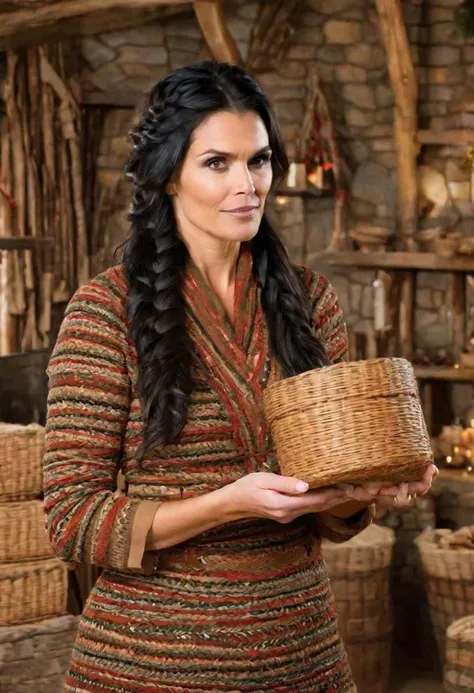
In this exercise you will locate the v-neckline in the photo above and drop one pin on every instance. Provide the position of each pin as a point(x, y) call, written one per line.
point(237, 325)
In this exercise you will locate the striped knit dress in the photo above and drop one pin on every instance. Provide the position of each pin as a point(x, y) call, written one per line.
point(243, 608)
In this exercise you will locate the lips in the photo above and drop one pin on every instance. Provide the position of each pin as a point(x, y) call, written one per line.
point(248, 208)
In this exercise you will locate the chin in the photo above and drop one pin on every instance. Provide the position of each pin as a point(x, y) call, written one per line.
point(241, 232)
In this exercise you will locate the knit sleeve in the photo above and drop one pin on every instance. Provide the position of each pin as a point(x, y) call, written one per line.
point(88, 519)
point(328, 318)
point(330, 326)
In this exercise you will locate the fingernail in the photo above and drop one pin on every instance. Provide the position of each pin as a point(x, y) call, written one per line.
point(302, 486)
point(348, 488)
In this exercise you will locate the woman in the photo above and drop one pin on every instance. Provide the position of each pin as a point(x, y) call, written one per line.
point(213, 579)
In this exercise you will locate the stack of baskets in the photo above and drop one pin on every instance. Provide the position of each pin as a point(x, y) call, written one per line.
point(33, 583)
point(449, 578)
point(359, 570)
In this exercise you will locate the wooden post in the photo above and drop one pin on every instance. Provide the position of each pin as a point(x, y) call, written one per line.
point(457, 296)
point(406, 314)
point(404, 86)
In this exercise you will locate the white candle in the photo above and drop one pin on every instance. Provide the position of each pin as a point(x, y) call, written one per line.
point(380, 317)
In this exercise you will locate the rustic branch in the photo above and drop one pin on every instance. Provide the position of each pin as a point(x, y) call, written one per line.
point(210, 15)
point(270, 34)
point(38, 13)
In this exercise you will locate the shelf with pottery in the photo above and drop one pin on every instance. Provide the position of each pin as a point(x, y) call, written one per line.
point(395, 260)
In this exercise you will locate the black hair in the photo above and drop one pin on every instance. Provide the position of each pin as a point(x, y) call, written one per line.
point(155, 256)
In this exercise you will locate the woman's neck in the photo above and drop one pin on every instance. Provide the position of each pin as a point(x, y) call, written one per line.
point(216, 262)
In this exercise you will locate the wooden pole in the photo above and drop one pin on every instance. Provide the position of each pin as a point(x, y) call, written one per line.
point(404, 86)
point(458, 301)
point(221, 43)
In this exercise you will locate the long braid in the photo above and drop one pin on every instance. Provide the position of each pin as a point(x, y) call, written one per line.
point(155, 260)
point(286, 306)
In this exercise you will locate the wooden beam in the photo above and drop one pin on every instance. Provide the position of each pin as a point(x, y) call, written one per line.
point(221, 43)
point(404, 86)
point(25, 243)
point(90, 24)
point(448, 137)
point(395, 261)
point(38, 13)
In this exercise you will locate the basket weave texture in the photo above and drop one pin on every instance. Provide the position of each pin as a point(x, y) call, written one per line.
point(22, 532)
point(21, 459)
point(33, 590)
point(359, 571)
point(449, 578)
point(351, 422)
point(459, 664)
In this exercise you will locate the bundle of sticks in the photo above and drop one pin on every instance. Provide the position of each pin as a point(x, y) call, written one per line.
point(41, 168)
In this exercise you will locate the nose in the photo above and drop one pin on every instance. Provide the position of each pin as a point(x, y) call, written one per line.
point(243, 183)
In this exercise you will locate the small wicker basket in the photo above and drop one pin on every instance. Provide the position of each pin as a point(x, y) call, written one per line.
point(351, 422)
point(32, 591)
point(359, 571)
point(21, 460)
point(459, 664)
point(22, 532)
point(449, 578)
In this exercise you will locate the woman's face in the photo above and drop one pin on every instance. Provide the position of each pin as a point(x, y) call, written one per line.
point(220, 191)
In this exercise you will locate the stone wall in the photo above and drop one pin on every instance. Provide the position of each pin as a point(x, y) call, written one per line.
point(342, 38)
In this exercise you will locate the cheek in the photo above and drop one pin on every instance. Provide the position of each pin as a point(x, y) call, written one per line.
point(263, 181)
point(200, 188)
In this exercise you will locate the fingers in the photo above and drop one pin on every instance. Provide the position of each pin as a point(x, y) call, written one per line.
point(282, 484)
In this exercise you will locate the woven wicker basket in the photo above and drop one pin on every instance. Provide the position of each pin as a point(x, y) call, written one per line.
point(21, 460)
point(359, 570)
point(22, 532)
point(351, 422)
point(449, 578)
point(459, 662)
point(32, 591)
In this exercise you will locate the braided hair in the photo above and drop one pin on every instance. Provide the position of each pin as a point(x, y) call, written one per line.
point(155, 257)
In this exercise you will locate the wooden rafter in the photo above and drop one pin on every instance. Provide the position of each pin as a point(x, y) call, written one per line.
point(92, 23)
point(35, 14)
point(221, 43)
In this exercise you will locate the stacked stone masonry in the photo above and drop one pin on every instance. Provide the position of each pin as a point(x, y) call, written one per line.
point(342, 38)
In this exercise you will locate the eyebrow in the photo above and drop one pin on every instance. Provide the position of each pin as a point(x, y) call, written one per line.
point(216, 152)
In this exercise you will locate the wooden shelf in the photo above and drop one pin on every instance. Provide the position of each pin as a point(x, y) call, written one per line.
point(308, 193)
point(459, 375)
point(25, 243)
point(396, 261)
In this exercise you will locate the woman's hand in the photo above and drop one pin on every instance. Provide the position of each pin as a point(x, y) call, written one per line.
point(278, 498)
point(400, 496)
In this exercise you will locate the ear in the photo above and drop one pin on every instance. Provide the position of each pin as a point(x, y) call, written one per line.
point(171, 189)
